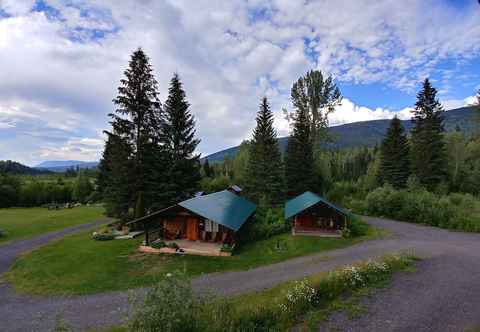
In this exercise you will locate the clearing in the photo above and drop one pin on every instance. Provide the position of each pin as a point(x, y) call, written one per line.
point(23, 223)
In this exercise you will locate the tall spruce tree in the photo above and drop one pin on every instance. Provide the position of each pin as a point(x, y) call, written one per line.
point(180, 143)
point(136, 125)
point(299, 161)
point(394, 156)
point(264, 182)
point(115, 172)
point(428, 155)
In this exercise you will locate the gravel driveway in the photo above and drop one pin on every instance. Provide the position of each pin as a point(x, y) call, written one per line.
point(443, 295)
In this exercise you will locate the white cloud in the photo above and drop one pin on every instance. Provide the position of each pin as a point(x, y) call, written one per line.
point(63, 74)
point(17, 7)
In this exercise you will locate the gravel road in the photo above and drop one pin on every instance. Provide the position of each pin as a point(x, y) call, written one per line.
point(443, 295)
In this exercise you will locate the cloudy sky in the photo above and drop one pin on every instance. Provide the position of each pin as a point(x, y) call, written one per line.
point(61, 62)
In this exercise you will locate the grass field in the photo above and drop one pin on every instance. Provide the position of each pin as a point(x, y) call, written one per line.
point(21, 223)
point(79, 265)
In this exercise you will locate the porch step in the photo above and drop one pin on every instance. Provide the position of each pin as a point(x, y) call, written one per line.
point(315, 233)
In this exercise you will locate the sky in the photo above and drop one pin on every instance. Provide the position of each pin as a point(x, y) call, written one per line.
point(61, 62)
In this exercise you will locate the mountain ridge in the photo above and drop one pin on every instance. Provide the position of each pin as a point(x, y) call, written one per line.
point(366, 133)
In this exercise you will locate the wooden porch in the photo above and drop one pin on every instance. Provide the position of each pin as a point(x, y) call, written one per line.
point(188, 247)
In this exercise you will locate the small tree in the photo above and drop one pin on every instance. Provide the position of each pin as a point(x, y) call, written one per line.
point(394, 156)
point(264, 174)
point(82, 188)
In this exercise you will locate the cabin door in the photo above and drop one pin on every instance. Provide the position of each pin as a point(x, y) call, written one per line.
point(192, 229)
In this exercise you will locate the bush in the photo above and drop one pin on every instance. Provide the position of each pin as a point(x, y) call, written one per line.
point(357, 227)
point(158, 244)
point(103, 237)
point(226, 248)
point(421, 206)
point(173, 245)
point(2, 233)
point(266, 223)
point(170, 306)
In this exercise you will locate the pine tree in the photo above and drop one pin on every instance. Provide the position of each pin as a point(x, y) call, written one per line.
point(115, 172)
point(207, 170)
point(428, 155)
point(180, 143)
point(264, 173)
point(394, 156)
point(136, 125)
point(299, 161)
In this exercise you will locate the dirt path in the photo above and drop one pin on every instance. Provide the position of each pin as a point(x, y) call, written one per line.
point(448, 281)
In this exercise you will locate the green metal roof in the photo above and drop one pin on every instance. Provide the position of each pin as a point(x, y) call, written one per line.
point(306, 200)
point(223, 207)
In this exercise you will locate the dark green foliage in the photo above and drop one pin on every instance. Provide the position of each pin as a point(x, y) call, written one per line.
point(394, 156)
point(368, 134)
point(452, 211)
point(115, 173)
point(207, 170)
point(266, 223)
point(299, 160)
point(428, 154)
point(178, 137)
point(264, 171)
point(103, 237)
point(12, 167)
point(140, 206)
point(132, 161)
point(82, 188)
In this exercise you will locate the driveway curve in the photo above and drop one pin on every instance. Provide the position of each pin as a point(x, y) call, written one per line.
point(444, 295)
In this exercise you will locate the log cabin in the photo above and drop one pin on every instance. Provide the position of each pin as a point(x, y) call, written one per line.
point(313, 215)
point(204, 222)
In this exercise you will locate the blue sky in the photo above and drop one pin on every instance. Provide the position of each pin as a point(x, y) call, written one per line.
point(61, 62)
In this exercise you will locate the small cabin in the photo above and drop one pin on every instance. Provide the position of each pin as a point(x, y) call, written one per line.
point(202, 224)
point(313, 215)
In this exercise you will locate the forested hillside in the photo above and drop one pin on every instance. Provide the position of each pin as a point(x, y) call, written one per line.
point(366, 133)
point(13, 167)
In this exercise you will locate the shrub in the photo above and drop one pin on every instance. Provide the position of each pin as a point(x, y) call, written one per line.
point(342, 191)
point(158, 244)
point(2, 233)
point(357, 227)
point(103, 237)
point(266, 223)
point(226, 248)
point(173, 245)
point(170, 306)
point(421, 206)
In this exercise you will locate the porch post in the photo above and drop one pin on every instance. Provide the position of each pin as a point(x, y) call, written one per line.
point(147, 241)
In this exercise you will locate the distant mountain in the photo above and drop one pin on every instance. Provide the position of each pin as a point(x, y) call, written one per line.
point(63, 165)
point(13, 167)
point(366, 133)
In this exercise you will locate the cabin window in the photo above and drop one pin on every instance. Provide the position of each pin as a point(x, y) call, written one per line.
point(211, 226)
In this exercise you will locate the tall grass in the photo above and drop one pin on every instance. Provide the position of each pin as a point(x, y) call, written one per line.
point(173, 307)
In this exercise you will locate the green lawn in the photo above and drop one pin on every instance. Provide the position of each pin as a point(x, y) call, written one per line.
point(79, 265)
point(21, 223)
